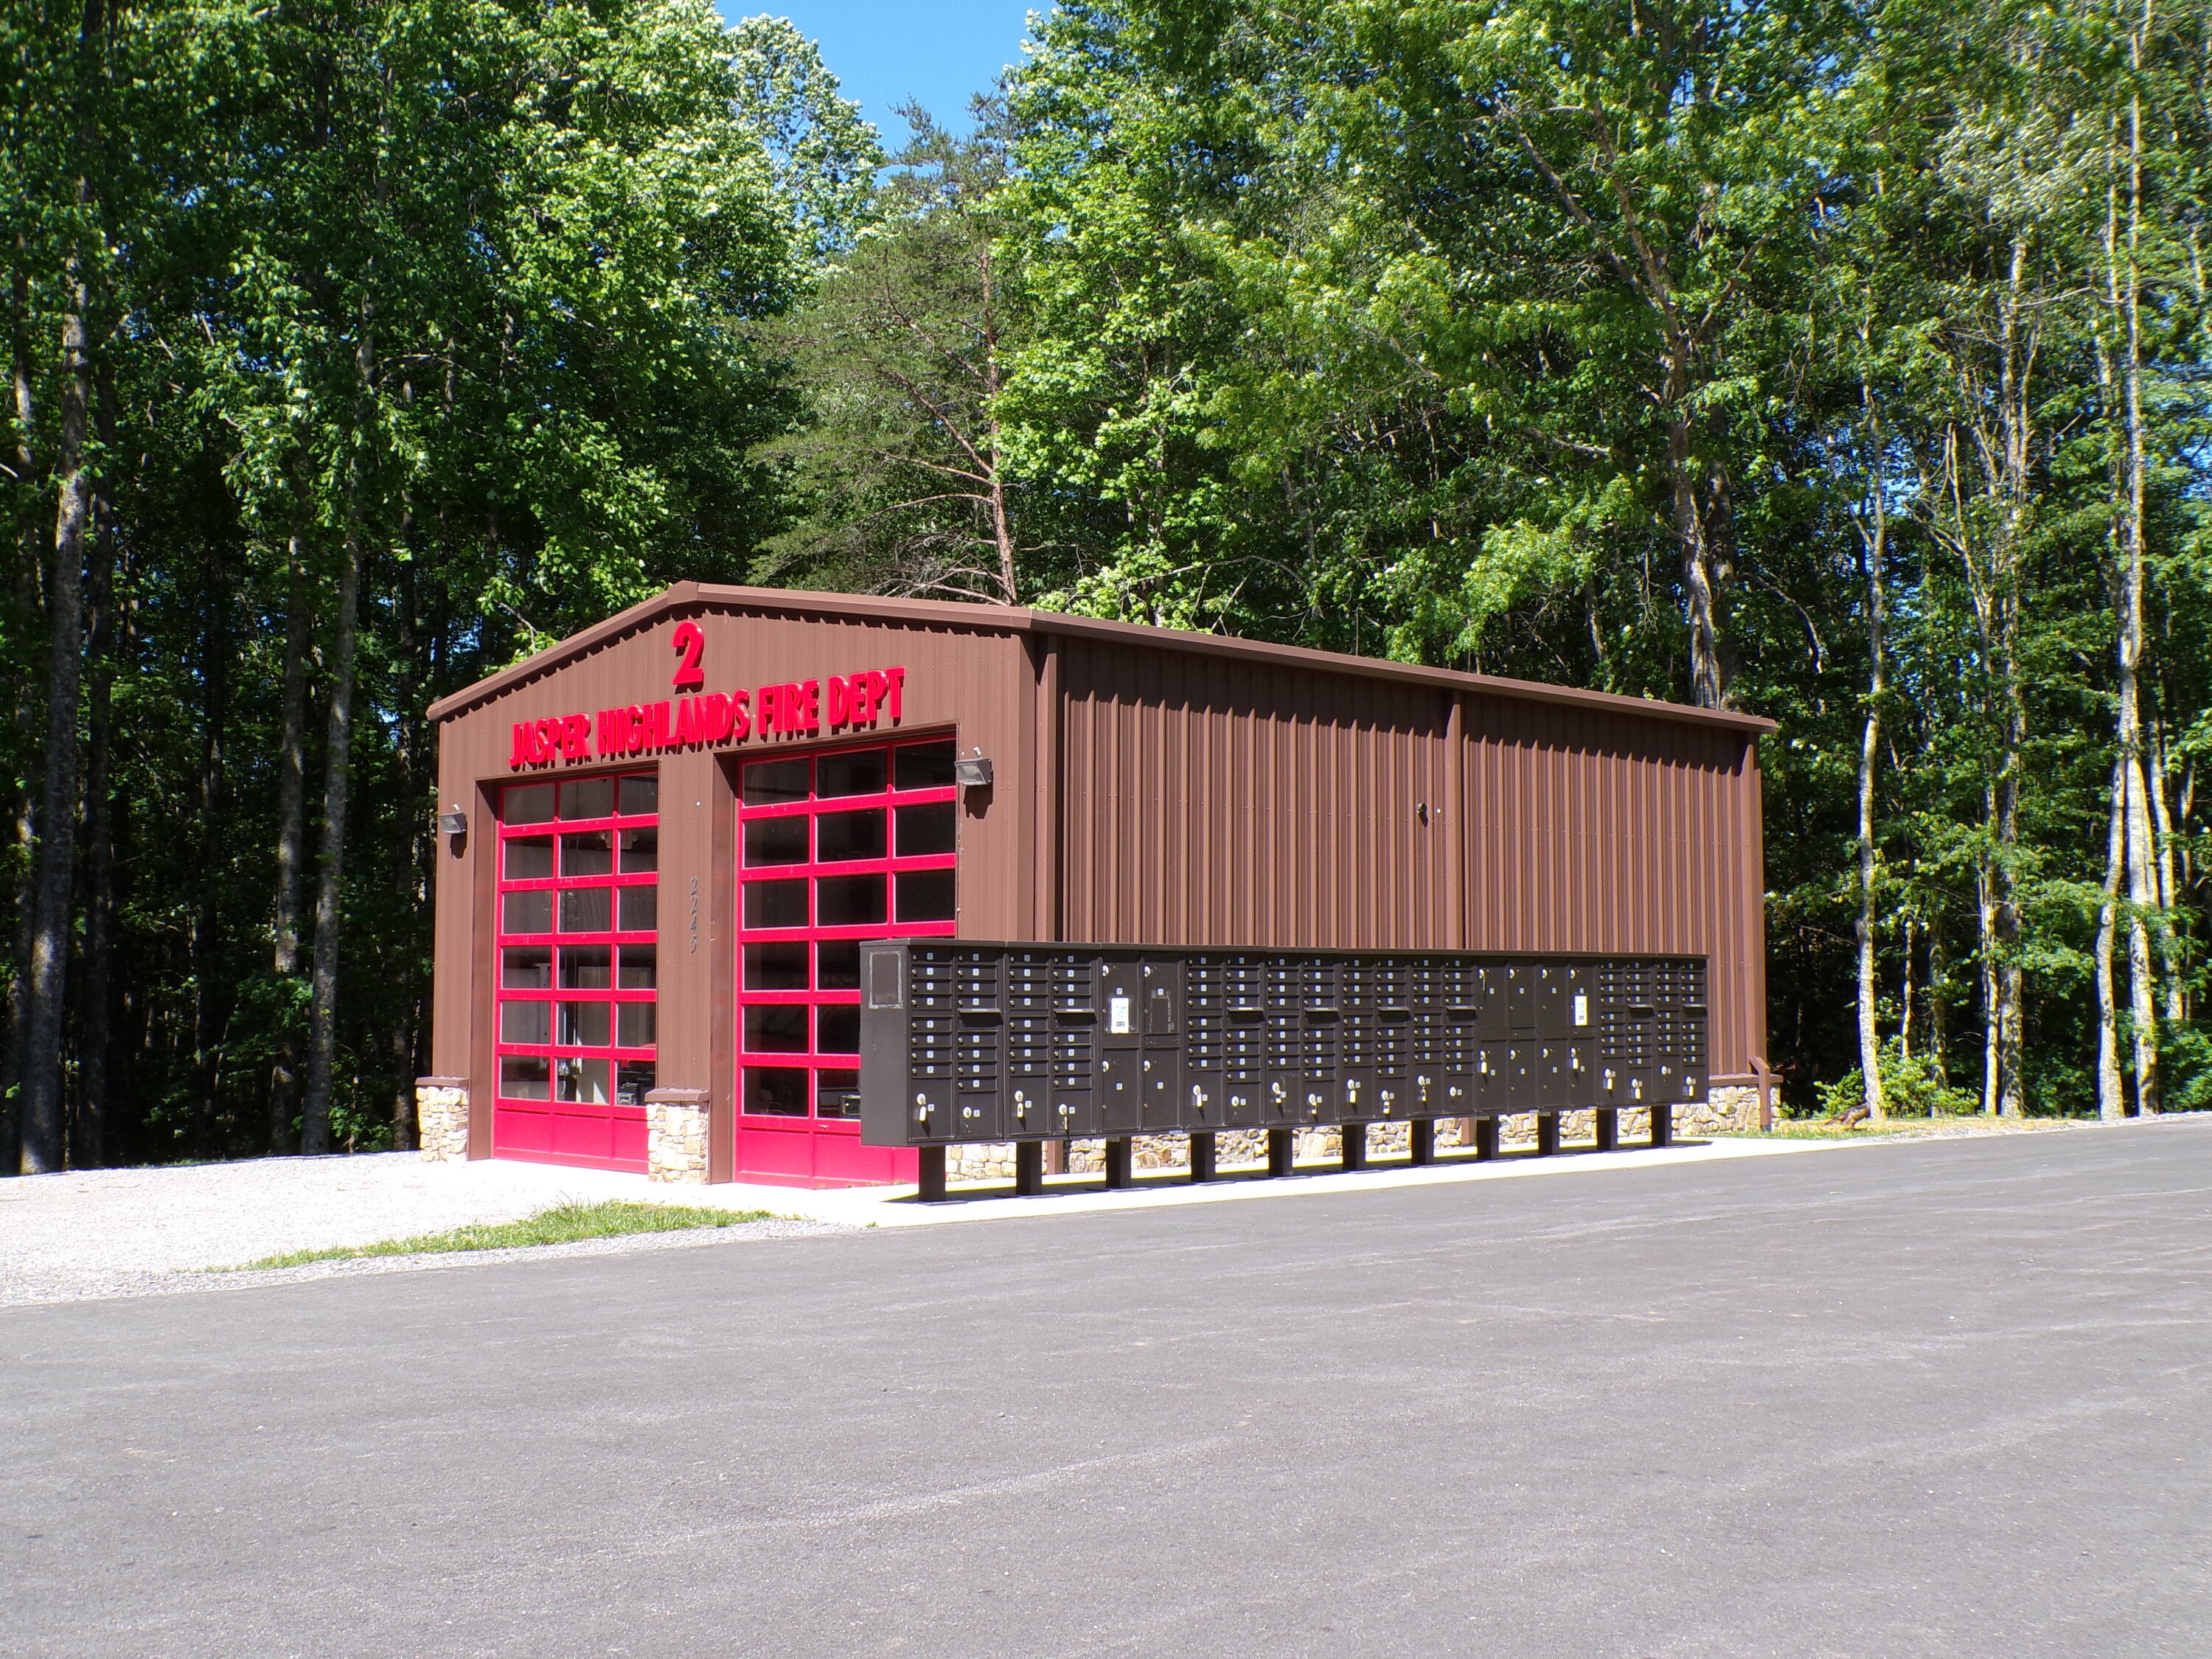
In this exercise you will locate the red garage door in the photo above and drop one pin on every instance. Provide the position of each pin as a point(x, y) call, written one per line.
point(834, 847)
point(578, 964)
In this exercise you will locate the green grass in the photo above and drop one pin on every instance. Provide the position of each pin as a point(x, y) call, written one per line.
point(1813, 1128)
point(564, 1224)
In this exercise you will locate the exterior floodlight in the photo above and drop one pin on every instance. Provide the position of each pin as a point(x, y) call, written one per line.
point(973, 772)
point(453, 824)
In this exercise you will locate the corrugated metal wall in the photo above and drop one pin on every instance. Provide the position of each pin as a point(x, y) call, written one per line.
point(1212, 801)
point(1608, 832)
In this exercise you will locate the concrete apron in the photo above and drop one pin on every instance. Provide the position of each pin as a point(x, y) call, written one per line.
point(1077, 1194)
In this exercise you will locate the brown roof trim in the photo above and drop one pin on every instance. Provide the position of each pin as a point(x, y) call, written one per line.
point(1005, 619)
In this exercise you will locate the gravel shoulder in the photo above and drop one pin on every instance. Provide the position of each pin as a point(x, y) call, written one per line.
point(101, 1233)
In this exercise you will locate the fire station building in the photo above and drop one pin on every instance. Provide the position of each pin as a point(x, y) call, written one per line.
point(664, 842)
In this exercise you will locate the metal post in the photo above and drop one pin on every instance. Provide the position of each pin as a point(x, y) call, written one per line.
point(1201, 1155)
point(1282, 1151)
point(1354, 1143)
point(1608, 1128)
point(1055, 1157)
point(1663, 1123)
point(1547, 1134)
point(1029, 1168)
point(1118, 1162)
point(932, 1176)
point(1485, 1137)
point(1421, 1140)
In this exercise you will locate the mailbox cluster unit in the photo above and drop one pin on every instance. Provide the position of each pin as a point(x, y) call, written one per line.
point(973, 1042)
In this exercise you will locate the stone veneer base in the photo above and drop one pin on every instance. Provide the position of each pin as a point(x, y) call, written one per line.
point(1729, 1110)
point(441, 1119)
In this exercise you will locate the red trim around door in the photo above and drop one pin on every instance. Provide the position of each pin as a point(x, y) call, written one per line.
point(835, 846)
point(577, 938)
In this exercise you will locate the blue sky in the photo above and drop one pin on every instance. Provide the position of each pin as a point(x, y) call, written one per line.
point(886, 51)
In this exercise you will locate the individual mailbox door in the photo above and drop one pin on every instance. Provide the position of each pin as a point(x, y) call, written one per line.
point(1120, 1043)
point(1159, 1062)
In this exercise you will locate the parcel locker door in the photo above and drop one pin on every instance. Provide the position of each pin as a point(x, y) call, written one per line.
point(1160, 1063)
point(1553, 998)
point(1555, 1079)
point(1521, 997)
point(1120, 1045)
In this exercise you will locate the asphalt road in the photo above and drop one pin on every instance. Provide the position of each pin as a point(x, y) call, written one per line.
point(1943, 1398)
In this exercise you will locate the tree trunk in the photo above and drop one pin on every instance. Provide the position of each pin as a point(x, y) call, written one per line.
point(45, 997)
point(419, 815)
point(2142, 891)
point(1985, 917)
point(209, 1001)
point(2112, 1104)
point(2169, 896)
point(291, 845)
point(1938, 994)
point(29, 566)
point(1873, 550)
point(1706, 689)
point(89, 1134)
point(322, 1014)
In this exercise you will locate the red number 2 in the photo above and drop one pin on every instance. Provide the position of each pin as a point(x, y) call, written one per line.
point(693, 644)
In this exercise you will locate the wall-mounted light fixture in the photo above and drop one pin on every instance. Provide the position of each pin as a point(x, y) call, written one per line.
point(453, 824)
point(972, 772)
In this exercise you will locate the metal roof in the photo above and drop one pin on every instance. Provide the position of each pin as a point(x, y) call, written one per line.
point(1019, 620)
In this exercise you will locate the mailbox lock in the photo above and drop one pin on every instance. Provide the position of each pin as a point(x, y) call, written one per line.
point(1148, 1065)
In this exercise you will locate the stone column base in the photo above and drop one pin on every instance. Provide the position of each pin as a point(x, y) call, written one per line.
point(441, 1118)
point(676, 1136)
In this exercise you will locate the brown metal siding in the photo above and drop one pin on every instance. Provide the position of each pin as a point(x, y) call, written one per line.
point(1597, 833)
point(1212, 801)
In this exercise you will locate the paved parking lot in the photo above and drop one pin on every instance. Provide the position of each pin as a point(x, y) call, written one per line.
point(1939, 1399)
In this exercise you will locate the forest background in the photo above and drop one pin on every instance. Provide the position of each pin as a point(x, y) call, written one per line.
point(1842, 360)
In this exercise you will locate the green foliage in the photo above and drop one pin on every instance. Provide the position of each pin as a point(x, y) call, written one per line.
point(1913, 1086)
point(469, 287)
point(560, 1223)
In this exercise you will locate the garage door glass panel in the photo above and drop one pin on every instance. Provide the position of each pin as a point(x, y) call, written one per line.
point(530, 858)
point(577, 1018)
point(775, 840)
point(853, 772)
point(843, 837)
point(589, 854)
point(864, 842)
point(776, 967)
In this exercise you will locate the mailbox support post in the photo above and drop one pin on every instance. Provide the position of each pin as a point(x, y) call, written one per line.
point(1201, 1155)
point(1421, 1140)
point(1282, 1151)
point(1029, 1168)
point(1353, 1142)
point(1485, 1137)
point(1608, 1128)
point(1548, 1134)
point(1118, 1162)
point(933, 1174)
point(1663, 1123)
